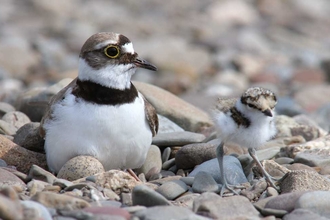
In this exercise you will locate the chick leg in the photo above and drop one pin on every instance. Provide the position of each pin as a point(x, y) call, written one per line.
point(268, 178)
point(220, 154)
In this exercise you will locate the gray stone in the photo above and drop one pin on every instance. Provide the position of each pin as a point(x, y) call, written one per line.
point(232, 169)
point(284, 160)
point(5, 108)
point(16, 118)
point(317, 202)
point(288, 106)
point(188, 180)
point(186, 200)
point(10, 209)
point(166, 125)
point(34, 102)
point(177, 138)
point(59, 201)
point(276, 212)
point(38, 173)
point(143, 195)
point(79, 167)
point(153, 160)
point(322, 116)
point(235, 207)
point(166, 154)
point(172, 189)
point(28, 137)
point(314, 157)
point(40, 210)
point(182, 113)
point(3, 163)
point(284, 201)
point(20, 157)
point(168, 164)
point(116, 180)
point(7, 128)
point(62, 183)
point(168, 212)
point(287, 127)
point(303, 214)
point(9, 179)
point(302, 180)
point(204, 182)
point(194, 154)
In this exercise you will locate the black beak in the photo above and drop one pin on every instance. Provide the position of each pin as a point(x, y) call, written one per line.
point(268, 112)
point(144, 64)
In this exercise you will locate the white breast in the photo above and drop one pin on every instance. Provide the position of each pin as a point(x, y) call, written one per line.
point(262, 129)
point(118, 136)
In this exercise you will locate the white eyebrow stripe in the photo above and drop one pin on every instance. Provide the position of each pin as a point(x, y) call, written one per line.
point(128, 48)
point(105, 43)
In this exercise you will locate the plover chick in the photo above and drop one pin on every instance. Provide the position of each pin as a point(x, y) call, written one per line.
point(101, 113)
point(247, 121)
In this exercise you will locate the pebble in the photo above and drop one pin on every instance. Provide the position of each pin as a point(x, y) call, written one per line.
point(186, 200)
point(62, 183)
point(5, 108)
point(7, 128)
point(182, 113)
point(28, 137)
point(168, 164)
point(108, 212)
point(166, 125)
point(172, 189)
point(303, 214)
point(79, 167)
point(153, 160)
point(177, 138)
point(299, 166)
point(194, 154)
point(16, 118)
point(286, 201)
point(204, 182)
point(322, 115)
point(288, 106)
point(316, 202)
point(19, 157)
point(143, 195)
point(166, 154)
point(10, 209)
point(232, 169)
point(9, 179)
point(275, 212)
point(314, 157)
point(37, 173)
point(234, 207)
point(59, 201)
point(168, 212)
point(116, 180)
point(302, 180)
point(284, 160)
point(40, 211)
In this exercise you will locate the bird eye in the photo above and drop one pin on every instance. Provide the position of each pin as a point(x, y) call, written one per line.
point(112, 51)
point(251, 106)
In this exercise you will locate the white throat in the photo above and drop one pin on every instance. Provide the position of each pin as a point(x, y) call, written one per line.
point(112, 76)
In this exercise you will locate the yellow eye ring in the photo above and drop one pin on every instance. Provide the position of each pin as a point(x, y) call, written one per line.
point(112, 51)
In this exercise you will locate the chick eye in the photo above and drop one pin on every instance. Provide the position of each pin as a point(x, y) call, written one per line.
point(251, 106)
point(112, 51)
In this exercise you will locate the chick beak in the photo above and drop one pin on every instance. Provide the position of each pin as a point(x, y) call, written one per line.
point(268, 112)
point(144, 64)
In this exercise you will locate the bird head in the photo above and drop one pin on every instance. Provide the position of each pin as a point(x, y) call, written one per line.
point(109, 59)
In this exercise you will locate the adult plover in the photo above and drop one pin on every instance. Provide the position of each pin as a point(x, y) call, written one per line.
point(101, 113)
point(247, 121)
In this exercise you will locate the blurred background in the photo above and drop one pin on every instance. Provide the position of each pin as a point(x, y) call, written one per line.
point(203, 49)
